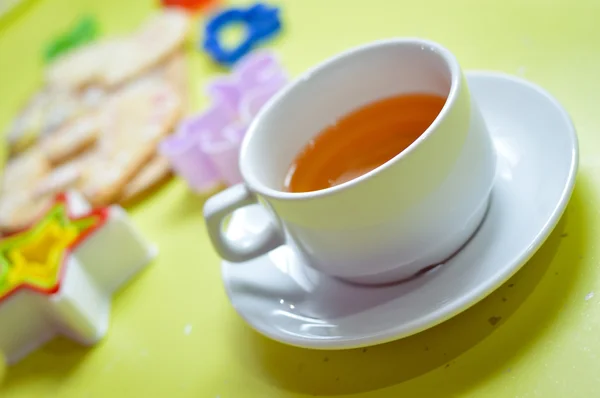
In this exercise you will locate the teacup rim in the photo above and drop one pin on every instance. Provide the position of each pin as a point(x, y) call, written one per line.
point(255, 185)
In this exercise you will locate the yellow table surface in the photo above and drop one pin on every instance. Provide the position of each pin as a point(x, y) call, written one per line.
point(547, 342)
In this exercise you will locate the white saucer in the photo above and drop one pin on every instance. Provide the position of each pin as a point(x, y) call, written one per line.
point(538, 154)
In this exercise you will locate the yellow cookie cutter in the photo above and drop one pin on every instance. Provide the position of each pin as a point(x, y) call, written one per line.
point(34, 257)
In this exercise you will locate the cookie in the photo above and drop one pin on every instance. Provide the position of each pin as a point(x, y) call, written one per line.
point(59, 180)
point(158, 38)
point(46, 112)
point(24, 171)
point(133, 123)
point(175, 72)
point(29, 123)
point(71, 140)
point(67, 176)
point(84, 65)
point(20, 209)
point(142, 113)
point(110, 103)
point(105, 179)
point(93, 97)
point(154, 174)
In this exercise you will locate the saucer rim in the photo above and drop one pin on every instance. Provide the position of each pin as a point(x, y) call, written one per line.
point(476, 295)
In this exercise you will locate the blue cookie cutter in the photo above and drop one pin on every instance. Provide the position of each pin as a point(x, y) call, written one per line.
point(262, 22)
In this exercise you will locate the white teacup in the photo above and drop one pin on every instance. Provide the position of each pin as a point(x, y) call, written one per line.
point(412, 212)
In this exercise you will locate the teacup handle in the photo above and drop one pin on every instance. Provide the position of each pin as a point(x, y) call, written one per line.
point(220, 206)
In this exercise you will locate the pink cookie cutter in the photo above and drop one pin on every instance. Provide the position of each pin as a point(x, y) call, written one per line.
point(205, 148)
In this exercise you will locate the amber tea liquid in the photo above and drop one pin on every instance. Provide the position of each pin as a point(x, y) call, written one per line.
point(362, 141)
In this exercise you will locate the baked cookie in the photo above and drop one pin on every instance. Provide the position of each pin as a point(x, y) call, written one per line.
point(20, 209)
point(18, 206)
point(29, 124)
point(132, 125)
point(24, 171)
point(144, 112)
point(71, 140)
point(96, 123)
point(59, 180)
point(154, 174)
point(175, 72)
point(64, 177)
point(47, 111)
point(104, 179)
point(84, 65)
point(158, 38)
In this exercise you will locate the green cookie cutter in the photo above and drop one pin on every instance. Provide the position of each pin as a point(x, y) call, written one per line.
point(83, 32)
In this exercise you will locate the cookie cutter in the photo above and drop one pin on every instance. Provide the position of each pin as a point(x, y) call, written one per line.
point(58, 276)
point(190, 5)
point(261, 21)
point(205, 148)
point(85, 31)
point(253, 81)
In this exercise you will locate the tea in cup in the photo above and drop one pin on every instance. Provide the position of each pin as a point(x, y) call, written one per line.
point(374, 165)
